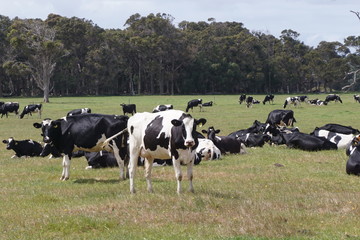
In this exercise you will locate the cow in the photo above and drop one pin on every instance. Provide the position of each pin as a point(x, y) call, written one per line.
point(257, 127)
point(255, 101)
point(163, 135)
point(78, 111)
point(225, 143)
point(303, 141)
point(87, 132)
point(208, 104)
point(280, 117)
point(163, 107)
point(341, 140)
point(318, 102)
point(268, 98)
point(249, 101)
point(6, 107)
point(208, 150)
point(303, 98)
point(194, 103)
point(254, 140)
point(292, 100)
point(23, 148)
point(242, 98)
point(102, 159)
point(49, 149)
point(357, 98)
point(353, 151)
point(31, 108)
point(128, 108)
point(333, 97)
point(334, 127)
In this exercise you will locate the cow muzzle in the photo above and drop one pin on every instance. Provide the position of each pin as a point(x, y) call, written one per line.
point(189, 143)
point(47, 139)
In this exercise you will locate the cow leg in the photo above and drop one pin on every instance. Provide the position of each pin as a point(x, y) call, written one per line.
point(148, 167)
point(66, 168)
point(178, 174)
point(119, 161)
point(134, 155)
point(190, 175)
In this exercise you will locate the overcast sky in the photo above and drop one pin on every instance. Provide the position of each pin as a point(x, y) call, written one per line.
point(314, 20)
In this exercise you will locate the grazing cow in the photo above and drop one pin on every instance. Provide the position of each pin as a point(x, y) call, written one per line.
point(353, 151)
point(280, 117)
point(194, 103)
point(163, 135)
point(357, 98)
point(292, 100)
point(78, 111)
point(268, 98)
point(254, 140)
point(333, 97)
point(7, 107)
point(303, 98)
point(49, 149)
point(128, 108)
point(208, 150)
point(225, 143)
point(160, 108)
point(208, 104)
point(341, 140)
point(87, 132)
point(303, 141)
point(242, 98)
point(249, 101)
point(26, 148)
point(32, 108)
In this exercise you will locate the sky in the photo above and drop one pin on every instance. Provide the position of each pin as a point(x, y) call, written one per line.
point(314, 20)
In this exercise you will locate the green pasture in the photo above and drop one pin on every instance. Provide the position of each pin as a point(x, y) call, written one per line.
point(268, 193)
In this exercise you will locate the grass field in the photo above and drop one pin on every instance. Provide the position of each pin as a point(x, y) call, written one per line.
point(238, 197)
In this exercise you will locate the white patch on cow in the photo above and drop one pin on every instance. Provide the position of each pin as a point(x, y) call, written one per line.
point(218, 138)
point(247, 136)
point(31, 141)
point(208, 150)
point(345, 139)
point(46, 122)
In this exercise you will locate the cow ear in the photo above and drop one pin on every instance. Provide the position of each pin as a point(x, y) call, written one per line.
point(176, 122)
point(200, 122)
point(5, 141)
point(37, 125)
point(204, 131)
point(217, 131)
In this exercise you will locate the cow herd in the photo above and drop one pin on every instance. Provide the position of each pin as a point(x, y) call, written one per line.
point(169, 136)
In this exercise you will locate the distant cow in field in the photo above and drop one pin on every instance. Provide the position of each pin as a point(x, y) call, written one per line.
point(249, 101)
point(128, 108)
point(9, 107)
point(208, 104)
point(303, 98)
point(32, 108)
point(333, 97)
point(268, 98)
point(357, 98)
point(78, 111)
point(242, 98)
point(292, 100)
point(23, 148)
point(162, 107)
point(194, 103)
point(281, 118)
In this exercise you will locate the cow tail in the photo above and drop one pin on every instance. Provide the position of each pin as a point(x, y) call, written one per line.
point(107, 141)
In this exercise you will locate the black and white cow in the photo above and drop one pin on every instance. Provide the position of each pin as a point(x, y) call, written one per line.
point(357, 98)
point(78, 111)
point(334, 127)
point(208, 150)
point(281, 117)
point(353, 151)
point(87, 132)
point(254, 139)
point(102, 159)
point(318, 102)
point(162, 107)
point(292, 100)
point(303, 98)
point(163, 135)
point(242, 98)
point(23, 148)
point(226, 144)
point(333, 97)
point(268, 98)
point(128, 108)
point(249, 101)
point(9, 107)
point(31, 108)
point(194, 103)
point(208, 104)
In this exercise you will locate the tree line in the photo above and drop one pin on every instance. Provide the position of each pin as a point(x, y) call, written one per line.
point(63, 56)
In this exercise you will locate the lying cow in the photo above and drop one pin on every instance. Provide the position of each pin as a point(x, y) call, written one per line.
point(163, 135)
point(163, 107)
point(23, 148)
point(254, 140)
point(78, 111)
point(128, 108)
point(225, 143)
point(87, 132)
point(208, 150)
point(353, 151)
point(32, 108)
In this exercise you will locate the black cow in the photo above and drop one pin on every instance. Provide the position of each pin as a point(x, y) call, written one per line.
point(242, 98)
point(163, 135)
point(78, 111)
point(163, 107)
point(27, 148)
point(280, 117)
point(87, 132)
point(100, 159)
point(32, 108)
point(357, 98)
point(353, 151)
point(292, 100)
point(194, 103)
point(208, 104)
point(249, 101)
point(7, 107)
point(225, 143)
point(254, 140)
point(268, 98)
point(128, 108)
point(333, 97)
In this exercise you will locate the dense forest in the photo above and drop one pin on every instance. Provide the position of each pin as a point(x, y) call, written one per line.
point(63, 56)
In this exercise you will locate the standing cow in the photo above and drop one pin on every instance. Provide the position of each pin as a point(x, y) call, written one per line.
point(163, 135)
point(128, 108)
point(333, 97)
point(7, 107)
point(268, 98)
point(32, 108)
point(281, 117)
point(194, 103)
point(87, 132)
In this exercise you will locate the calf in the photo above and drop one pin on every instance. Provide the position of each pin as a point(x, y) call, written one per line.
point(78, 111)
point(292, 100)
point(225, 143)
point(268, 98)
point(242, 98)
point(163, 135)
point(32, 108)
point(281, 118)
point(26, 148)
point(160, 108)
point(207, 150)
point(7, 107)
point(128, 108)
point(194, 103)
point(333, 97)
point(353, 151)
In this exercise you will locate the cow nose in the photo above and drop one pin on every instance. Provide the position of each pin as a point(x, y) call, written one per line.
point(189, 143)
point(46, 139)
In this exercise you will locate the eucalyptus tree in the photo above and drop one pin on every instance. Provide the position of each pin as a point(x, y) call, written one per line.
point(5, 50)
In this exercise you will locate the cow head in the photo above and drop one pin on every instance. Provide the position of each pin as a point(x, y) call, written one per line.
point(10, 143)
point(188, 127)
point(211, 132)
point(50, 129)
